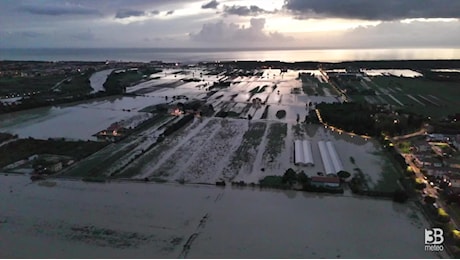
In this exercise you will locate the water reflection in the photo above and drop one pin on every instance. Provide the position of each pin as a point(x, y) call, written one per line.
point(195, 55)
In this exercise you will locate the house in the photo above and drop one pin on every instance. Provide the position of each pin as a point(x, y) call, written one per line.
point(323, 181)
point(454, 180)
point(436, 138)
point(55, 167)
point(436, 171)
point(423, 148)
point(422, 160)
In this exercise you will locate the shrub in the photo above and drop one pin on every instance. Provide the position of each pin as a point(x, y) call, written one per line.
point(280, 114)
point(352, 160)
point(302, 177)
point(429, 200)
point(273, 182)
point(400, 196)
point(420, 184)
point(343, 174)
point(289, 176)
point(94, 179)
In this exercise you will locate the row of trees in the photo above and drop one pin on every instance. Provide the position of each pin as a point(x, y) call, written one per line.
point(368, 119)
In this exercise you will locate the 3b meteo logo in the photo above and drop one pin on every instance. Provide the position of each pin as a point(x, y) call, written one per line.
point(433, 240)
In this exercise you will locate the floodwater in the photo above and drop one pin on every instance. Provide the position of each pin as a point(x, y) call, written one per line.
point(72, 219)
point(98, 79)
point(394, 72)
point(75, 121)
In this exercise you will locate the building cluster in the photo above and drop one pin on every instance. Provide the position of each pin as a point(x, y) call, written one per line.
point(435, 157)
point(50, 164)
point(114, 131)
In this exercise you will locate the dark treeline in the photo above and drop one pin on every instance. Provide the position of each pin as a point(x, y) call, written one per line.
point(368, 119)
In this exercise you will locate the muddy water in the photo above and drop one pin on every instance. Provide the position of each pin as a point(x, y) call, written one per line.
point(129, 220)
point(74, 121)
point(98, 79)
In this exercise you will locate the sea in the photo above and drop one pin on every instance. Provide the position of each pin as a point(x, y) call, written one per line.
point(194, 55)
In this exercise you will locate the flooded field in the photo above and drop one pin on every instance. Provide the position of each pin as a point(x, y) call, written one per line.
point(83, 119)
point(393, 72)
point(76, 121)
point(138, 220)
point(98, 79)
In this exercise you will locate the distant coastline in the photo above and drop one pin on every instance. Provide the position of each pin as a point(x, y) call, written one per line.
point(193, 55)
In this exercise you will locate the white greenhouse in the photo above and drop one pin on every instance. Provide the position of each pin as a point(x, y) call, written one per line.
point(303, 153)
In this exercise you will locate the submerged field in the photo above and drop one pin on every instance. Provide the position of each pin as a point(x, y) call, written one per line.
point(217, 149)
point(245, 140)
point(77, 121)
point(214, 148)
point(135, 220)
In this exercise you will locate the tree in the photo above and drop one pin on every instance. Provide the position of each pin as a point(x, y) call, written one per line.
point(400, 196)
point(280, 114)
point(429, 200)
point(302, 177)
point(419, 184)
point(289, 176)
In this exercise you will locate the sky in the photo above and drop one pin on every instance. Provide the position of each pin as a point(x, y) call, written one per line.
point(230, 23)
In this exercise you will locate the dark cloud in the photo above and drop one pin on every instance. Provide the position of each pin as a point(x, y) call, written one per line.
point(170, 12)
point(222, 33)
point(125, 13)
point(155, 12)
point(211, 5)
point(399, 34)
point(244, 10)
point(386, 10)
point(55, 10)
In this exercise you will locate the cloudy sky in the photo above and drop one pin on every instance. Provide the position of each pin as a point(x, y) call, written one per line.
point(230, 23)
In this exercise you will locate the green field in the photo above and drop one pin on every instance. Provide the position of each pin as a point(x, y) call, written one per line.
point(275, 144)
point(23, 148)
point(78, 83)
point(251, 140)
point(439, 98)
point(117, 81)
point(22, 85)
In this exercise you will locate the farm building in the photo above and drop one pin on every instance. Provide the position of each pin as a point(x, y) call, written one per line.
point(334, 157)
point(302, 153)
point(323, 181)
point(325, 157)
point(330, 158)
